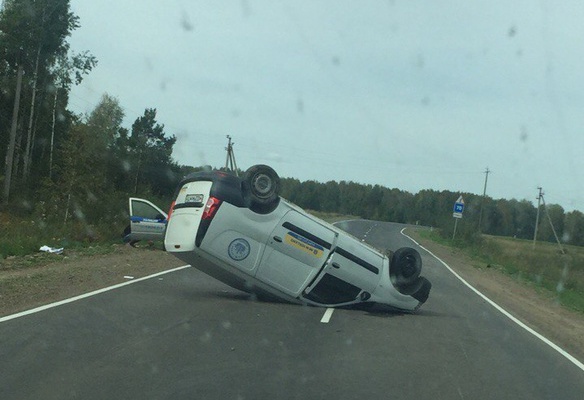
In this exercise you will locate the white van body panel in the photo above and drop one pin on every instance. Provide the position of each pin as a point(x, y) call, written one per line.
point(183, 226)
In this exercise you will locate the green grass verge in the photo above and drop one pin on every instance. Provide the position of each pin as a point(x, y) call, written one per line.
point(21, 239)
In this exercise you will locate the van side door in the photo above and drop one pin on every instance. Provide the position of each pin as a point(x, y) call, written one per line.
point(350, 275)
point(297, 249)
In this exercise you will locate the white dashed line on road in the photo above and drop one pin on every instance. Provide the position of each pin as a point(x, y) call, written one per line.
point(327, 315)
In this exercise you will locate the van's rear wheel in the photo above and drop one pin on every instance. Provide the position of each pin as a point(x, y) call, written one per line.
point(262, 186)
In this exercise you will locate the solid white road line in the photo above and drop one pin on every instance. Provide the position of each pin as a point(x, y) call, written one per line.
point(327, 315)
point(83, 296)
point(503, 311)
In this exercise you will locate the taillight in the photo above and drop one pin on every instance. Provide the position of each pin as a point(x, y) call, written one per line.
point(170, 210)
point(211, 208)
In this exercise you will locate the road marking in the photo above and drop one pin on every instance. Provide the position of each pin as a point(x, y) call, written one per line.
point(327, 315)
point(503, 311)
point(83, 296)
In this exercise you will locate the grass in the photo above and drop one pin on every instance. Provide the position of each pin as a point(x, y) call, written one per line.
point(15, 263)
point(21, 239)
point(561, 275)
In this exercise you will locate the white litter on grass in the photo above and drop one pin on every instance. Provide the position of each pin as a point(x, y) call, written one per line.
point(128, 277)
point(53, 250)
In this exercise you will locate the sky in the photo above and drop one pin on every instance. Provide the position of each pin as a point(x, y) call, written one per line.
point(412, 94)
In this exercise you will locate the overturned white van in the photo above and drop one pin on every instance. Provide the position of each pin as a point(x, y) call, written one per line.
point(240, 231)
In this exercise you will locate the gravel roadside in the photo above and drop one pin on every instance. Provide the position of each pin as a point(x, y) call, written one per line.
point(55, 277)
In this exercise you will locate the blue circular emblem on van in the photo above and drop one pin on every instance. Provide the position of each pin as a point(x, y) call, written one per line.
point(239, 249)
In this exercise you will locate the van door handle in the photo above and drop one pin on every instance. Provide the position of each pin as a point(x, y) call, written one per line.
point(336, 265)
point(278, 239)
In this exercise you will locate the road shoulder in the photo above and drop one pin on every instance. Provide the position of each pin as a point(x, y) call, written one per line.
point(533, 306)
point(71, 274)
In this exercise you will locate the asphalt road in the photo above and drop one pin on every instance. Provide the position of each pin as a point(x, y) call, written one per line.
point(184, 335)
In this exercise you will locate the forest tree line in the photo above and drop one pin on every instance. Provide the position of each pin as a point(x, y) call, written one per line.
point(79, 170)
point(513, 218)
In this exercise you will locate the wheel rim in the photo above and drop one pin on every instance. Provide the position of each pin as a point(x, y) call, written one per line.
point(262, 185)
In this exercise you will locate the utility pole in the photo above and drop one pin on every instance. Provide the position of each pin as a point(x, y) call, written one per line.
point(552, 225)
point(483, 199)
point(230, 161)
point(539, 197)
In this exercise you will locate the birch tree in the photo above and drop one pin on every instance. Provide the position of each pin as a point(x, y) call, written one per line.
point(38, 31)
point(67, 71)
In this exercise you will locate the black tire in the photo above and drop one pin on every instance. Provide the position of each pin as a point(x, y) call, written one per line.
point(423, 292)
point(131, 242)
point(412, 288)
point(406, 266)
point(262, 187)
point(126, 232)
point(264, 208)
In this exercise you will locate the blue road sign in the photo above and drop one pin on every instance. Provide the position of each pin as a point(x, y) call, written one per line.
point(458, 208)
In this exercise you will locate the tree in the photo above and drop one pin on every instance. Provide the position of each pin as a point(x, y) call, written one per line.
point(33, 37)
point(290, 187)
point(574, 228)
point(330, 197)
point(525, 219)
point(553, 215)
point(38, 29)
point(12, 140)
point(67, 70)
point(425, 203)
point(350, 198)
point(433, 208)
point(397, 206)
point(372, 201)
point(103, 125)
point(308, 196)
point(76, 181)
point(150, 152)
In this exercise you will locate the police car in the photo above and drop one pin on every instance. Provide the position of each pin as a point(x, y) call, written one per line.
point(147, 221)
point(241, 232)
